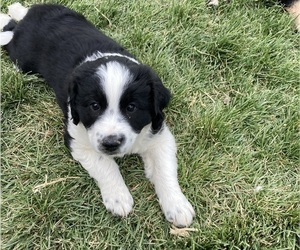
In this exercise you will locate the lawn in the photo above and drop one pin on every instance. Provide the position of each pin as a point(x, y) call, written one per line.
point(234, 76)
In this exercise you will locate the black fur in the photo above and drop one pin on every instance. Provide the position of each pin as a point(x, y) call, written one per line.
point(53, 41)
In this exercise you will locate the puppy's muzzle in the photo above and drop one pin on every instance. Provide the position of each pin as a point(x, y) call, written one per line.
point(112, 143)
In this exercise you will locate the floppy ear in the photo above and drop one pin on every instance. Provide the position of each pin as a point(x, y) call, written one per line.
point(73, 90)
point(160, 97)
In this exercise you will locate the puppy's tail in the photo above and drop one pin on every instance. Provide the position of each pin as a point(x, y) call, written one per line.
point(8, 22)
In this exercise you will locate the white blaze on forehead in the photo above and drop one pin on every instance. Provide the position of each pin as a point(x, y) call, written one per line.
point(114, 77)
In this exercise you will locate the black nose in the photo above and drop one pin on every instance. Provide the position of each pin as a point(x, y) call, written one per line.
point(113, 142)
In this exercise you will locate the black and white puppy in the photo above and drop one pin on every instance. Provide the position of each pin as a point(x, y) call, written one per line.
point(113, 105)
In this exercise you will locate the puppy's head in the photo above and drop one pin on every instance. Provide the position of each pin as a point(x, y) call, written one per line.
point(115, 100)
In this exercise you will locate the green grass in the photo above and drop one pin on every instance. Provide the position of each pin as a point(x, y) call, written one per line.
point(234, 75)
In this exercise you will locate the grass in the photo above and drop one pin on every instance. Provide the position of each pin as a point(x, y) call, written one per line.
point(234, 75)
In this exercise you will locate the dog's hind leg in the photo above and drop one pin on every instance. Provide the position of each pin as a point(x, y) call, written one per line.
point(17, 11)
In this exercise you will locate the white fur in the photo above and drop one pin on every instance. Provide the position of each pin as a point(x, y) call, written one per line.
point(159, 156)
point(4, 20)
point(158, 152)
point(213, 2)
point(114, 77)
point(5, 37)
point(103, 169)
point(17, 11)
point(98, 55)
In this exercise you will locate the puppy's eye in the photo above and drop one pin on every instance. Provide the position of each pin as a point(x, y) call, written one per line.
point(131, 108)
point(95, 106)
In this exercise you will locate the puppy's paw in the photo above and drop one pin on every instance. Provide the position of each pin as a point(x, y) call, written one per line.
point(17, 11)
point(118, 201)
point(4, 20)
point(178, 210)
point(5, 37)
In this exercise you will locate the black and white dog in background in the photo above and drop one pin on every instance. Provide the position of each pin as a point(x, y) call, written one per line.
point(113, 105)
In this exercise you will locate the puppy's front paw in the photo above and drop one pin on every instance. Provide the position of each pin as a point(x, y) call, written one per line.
point(118, 201)
point(178, 210)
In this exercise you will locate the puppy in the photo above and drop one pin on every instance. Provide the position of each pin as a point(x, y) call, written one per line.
point(112, 104)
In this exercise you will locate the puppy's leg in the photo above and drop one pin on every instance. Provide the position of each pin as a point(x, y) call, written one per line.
point(116, 196)
point(17, 11)
point(161, 168)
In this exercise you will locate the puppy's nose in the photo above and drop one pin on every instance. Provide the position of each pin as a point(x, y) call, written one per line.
point(113, 142)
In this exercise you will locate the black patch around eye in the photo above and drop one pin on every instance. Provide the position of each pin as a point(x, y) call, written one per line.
point(91, 101)
point(135, 105)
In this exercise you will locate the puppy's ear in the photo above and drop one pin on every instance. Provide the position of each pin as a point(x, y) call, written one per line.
point(73, 90)
point(160, 97)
